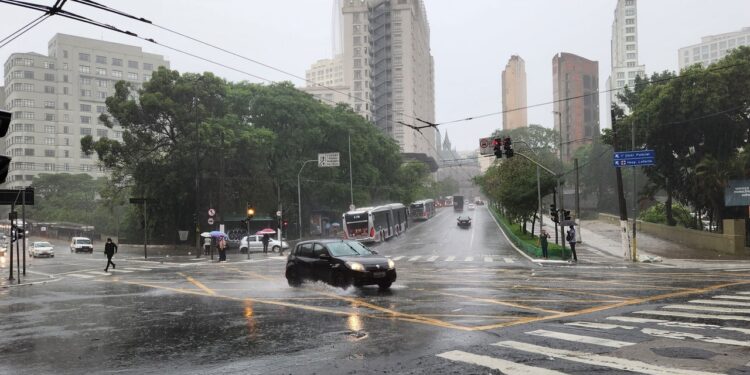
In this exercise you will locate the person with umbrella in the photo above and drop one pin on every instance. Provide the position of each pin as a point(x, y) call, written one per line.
point(221, 243)
point(265, 239)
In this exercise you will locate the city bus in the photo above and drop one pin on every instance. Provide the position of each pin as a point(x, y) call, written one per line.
point(422, 209)
point(375, 224)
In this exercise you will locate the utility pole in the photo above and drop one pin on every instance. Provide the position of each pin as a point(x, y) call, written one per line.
point(634, 253)
point(539, 198)
point(561, 188)
point(578, 201)
point(620, 195)
point(299, 198)
point(351, 184)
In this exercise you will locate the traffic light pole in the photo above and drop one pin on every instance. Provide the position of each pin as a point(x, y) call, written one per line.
point(299, 199)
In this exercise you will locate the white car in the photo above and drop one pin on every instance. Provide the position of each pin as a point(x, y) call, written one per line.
point(255, 244)
point(471, 206)
point(41, 249)
point(81, 244)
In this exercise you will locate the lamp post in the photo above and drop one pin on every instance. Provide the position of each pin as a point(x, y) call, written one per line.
point(196, 221)
point(559, 187)
point(299, 199)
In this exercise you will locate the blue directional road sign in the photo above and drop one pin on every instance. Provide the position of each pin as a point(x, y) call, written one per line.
point(634, 158)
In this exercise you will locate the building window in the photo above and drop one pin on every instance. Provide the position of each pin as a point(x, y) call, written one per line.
point(101, 132)
point(49, 104)
point(49, 141)
point(630, 56)
point(630, 47)
point(86, 93)
point(66, 117)
point(102, 94)
point(65, 78)
point(65, 66)
point(23, 62)
point(631, 64)
point(85, 81)
point(630, 30)
point(630, 21)
point(66, 91)
point(101, 71)
point(148, 66)
point(49, 129)
point(65, 131)
point(85, 107)
point(628, 2)
point(28, 152)
point(65, 54)
point(49, 166)
point(49, 89)
point(132, 64)
point(84, 69)
point(132, 76)
point(146, 77)
point(101, 59)
point(85, 131)
point(620, 74)
point(101, 109)
point(630, 12)
point(49, 77)
point(116, 62)
point(49, 154)
point(630, 38)
point(85, 120)
point(65, 105)
point(101, 83)
point(49, 117)
point(116, 74)
point(357, 63)
point(84, 57)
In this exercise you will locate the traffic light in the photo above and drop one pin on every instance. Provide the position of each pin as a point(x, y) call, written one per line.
point(497, 144)
point(508, 147)
point(553, 213)
point(566, 214)
point(250, 211)
point(285, 224)
point(4, 160)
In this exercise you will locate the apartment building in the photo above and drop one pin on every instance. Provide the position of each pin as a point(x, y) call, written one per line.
point(514, 94)
point(575, 85)
point(56, 100)
point(712, 48)
point(624, 52)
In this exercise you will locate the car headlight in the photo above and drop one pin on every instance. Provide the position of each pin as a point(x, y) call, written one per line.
point(391, 264)
point(355, 266)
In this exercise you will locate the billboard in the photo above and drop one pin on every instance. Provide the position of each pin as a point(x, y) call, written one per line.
point(737, 193)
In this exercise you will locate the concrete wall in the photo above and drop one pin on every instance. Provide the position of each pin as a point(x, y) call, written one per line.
point(732, 241)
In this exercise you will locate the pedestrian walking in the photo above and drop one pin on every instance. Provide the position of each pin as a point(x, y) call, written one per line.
point(206, 246)
point(222, 250)
point(265, 240)
point(543, 242)
point(109, 249)
point(571, 237)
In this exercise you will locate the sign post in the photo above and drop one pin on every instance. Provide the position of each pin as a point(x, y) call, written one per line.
point(639, 158)
point(144, 201)
point(486, 147)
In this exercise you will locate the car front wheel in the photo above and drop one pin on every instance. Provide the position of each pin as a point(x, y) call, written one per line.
point(292, 279)
point(243, 250)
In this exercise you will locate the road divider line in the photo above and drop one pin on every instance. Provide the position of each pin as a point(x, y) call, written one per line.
point(719, 302)
point(509, 260)
point(488, 259)
point(198, 284)
point(506, 367)
point(432, 258)
point(599, 360)
point(469, 259)
point(598, 325)
point(692, 315)
point(580, 338)
point(82, 276)
point(707, 308)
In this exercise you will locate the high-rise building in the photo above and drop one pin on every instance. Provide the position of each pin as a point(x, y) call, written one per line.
point(712, 48)
point(56, 100)
point(383, 48)
point(624, 52)
point(575, 85)
point(514, 94)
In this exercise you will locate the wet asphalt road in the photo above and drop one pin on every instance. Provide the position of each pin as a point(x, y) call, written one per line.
point(465, 302)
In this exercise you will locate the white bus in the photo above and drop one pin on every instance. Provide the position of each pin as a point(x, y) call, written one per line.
point(375, 224)
point(422, 209)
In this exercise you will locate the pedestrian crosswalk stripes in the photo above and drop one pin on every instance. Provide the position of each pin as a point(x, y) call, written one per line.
point(598, 359)
point(719, 302)
point(693, 315)
point(432, 258)
point(745, 293)
point(414, 258)
point(741, 298)
point(469, 259)
point(580, 338)
point(450, 258)
point(708, 308)
point(508, 260)
point(661, 322)
point(506, 367)
point(488, 259)
point(598, 325)
point(693, 336)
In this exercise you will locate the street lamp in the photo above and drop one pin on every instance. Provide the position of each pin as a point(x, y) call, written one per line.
point(299, 199)
point(559, 187)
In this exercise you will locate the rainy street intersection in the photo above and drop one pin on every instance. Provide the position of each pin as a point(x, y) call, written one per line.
point(465, 302)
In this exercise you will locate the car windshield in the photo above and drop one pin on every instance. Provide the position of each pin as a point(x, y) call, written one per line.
point(83, 242)
point(42, 244)
point(348, 248)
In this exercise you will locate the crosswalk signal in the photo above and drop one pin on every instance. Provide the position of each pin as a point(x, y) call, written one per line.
point(285, 224)
point(508, 147)
point(553, 213)
point(497, 144)
point(5, 118)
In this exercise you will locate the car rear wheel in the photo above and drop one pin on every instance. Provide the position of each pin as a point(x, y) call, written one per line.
point(275, 249)
point(384, 285)
point(243, 250)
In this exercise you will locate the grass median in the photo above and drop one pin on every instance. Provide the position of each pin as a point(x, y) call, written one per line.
point(527, 242)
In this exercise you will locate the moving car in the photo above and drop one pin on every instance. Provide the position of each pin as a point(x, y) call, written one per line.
point(464, 221)
point(81, 244)
point(255, 244)
point(339, 263)
point(471, 206)
point(41, 249)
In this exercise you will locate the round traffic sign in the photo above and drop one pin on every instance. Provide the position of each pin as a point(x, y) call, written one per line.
point(278, 213)
point(211, 212)
point(484, 143)
point(210, 221)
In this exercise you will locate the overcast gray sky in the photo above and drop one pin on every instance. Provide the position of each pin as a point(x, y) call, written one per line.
point(471, 41)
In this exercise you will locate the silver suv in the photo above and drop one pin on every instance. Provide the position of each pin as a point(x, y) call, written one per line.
point(81, 244)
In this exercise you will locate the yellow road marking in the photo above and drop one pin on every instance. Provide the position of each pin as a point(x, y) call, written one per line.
point(198, 284)
point(498, 302)
point(566, 291)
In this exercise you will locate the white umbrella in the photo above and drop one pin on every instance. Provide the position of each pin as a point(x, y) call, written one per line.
point(205, 234)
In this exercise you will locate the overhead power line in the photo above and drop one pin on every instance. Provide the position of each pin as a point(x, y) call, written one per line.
point(48, 12)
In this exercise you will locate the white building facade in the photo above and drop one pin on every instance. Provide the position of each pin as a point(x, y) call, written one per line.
point(387, 69)
point(56, 100)
point(712, 48)
point(624, 52)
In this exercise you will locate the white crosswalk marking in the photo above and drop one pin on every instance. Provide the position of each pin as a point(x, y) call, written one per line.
point(580, 338)
point(506, 367)
point(599, 360)
point(450, 258)
point(692, 315)
point(707, 308)
point(598, 325)
point(743, 298)
point(508, 260)
point(414, 258)
point(694, 336)
point(398, 258)
point(81, 275)
point(745, 293)
point(100, 273)
point(121, 271)
point(488, 259)
point(661, 322)
point(432, 258)
point(469, 259)
point(137, 269)
point(720, 302)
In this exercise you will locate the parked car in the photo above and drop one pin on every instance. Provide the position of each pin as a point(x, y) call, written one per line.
point(340, 263)
point(41, 249)
point(464, 221)
point(81, 244)
point(255, 244)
